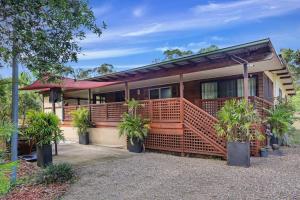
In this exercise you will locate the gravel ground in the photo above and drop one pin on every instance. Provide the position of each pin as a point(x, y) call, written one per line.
point(161, 176)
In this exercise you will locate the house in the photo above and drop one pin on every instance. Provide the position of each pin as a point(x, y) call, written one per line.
point(181, 97)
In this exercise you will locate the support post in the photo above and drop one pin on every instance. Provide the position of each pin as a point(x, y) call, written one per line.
point(62, 107)
point(181, 93)
point(246, 82)
point(54, 111)
point(127, 95)
point(89, 104)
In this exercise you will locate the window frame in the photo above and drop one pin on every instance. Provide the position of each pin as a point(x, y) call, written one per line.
point(159, 92)
point(219, 81)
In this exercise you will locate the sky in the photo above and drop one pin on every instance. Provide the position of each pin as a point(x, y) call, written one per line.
point(140, 30)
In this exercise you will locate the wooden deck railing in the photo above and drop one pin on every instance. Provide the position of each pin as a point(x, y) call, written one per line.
point(212, 106)
point(159, 110)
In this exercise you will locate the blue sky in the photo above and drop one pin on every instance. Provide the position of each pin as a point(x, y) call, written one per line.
point(140, 30)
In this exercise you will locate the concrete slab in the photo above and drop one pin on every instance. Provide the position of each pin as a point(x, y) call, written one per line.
point(82, 155)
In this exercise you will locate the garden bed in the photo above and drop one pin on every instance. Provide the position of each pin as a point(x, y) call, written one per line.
point(26, 188)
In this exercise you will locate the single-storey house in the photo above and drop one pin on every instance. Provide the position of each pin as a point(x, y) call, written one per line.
point(180, 97)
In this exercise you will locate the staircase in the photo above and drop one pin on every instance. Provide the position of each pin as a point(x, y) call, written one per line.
point(199, 133)
point(192, 131)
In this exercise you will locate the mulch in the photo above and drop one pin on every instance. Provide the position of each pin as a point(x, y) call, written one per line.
point(32, 191)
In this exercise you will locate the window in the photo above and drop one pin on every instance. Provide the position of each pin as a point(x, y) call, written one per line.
point(251, 86)
point(209, 90)
point(98, 99)
point(160, 93)
point(227, 88)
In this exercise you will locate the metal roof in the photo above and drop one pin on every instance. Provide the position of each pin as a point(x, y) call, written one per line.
point(190, 59)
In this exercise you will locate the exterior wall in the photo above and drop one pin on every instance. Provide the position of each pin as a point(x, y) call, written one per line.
point(48, 107)
point(277, 84)
point(108, 136)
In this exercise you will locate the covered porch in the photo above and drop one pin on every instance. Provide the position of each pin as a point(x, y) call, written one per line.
point(181, 97)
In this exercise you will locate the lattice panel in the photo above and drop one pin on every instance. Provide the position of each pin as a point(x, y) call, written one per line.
point(256, 145)
point(166, 110)
point(143, 109)
point(161, 140)
point(193, 143)
point(202, 122)
point(115, 111)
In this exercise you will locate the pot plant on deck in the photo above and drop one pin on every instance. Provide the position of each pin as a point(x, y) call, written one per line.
point(134, 127)
point(82, 122)
point(235, 121)
point(281, 119)
point(43, 128)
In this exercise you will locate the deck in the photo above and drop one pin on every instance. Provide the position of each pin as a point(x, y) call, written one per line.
point(177, 125)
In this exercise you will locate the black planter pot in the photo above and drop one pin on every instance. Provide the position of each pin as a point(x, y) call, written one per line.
point(44, 155)
point(264, 153)
point(238, 154)
point(136, 147)
point(84, 139)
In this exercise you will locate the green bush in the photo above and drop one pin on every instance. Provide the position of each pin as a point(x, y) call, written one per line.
point(235, 120)
point(133, 126)
point(43, 127)
point(56, 173)
point(5, 168)
point(81, 120)
point(281, 118)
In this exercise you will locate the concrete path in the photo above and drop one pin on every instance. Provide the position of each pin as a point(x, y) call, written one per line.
point(83, 155)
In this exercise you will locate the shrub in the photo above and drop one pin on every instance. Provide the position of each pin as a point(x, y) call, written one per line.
point(281, 118)
point(81, 120)
point(56, 173)
point(5, 168)
point(132, 125)
point(43, 127)
point(235, 121)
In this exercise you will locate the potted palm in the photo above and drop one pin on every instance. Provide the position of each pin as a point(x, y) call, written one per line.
point(82, 122)
point(43, 128)
point(281, 119)
point(134, 127)
point(235, 120)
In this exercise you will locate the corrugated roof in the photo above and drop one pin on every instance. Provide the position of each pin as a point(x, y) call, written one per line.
point(194, 58)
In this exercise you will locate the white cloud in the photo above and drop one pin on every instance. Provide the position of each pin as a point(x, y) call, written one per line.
point(217, 15)
point(139, 11)
point(152, 28)
point(110, 53)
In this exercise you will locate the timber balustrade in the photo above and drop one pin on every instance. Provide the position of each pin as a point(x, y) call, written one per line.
point(212, 106)
point(159, 110)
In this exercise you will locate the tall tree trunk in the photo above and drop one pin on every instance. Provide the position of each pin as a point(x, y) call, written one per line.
point(15, 107)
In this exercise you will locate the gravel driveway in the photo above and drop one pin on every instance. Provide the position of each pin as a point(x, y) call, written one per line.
point(160, 176)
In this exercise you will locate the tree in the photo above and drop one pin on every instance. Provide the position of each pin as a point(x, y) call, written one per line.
point(208, 49)
point(42, 35)
point(292, 59)
point(80, 73)
point(175, 53)
point(104, 69)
